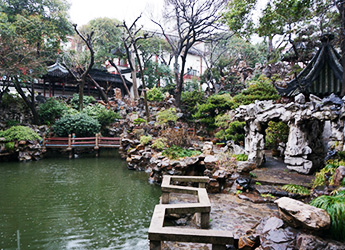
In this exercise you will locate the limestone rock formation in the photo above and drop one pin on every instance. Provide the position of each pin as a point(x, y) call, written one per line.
point(299, 214)
point(311, 124)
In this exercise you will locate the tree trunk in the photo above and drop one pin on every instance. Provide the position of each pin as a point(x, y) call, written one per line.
point(134, 76)
point(81, 94)
point(144, 85)
point(122, 79)
point(100, 90)
point(179, 86)
point(31, 105)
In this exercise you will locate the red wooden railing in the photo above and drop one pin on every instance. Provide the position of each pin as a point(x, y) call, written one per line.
point(73, 142)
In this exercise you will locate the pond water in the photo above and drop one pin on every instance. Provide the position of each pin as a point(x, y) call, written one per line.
point(84, 203)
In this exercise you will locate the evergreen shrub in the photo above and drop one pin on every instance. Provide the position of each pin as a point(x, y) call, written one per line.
point(81, 124)
point(20, 133)
point(154, 94)
point(51, 110)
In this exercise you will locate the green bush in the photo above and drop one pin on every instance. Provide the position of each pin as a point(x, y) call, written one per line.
point(139, 121)
point(81, 124)
point(296, 189)
point(335, 207)
point(275, 133)
point(214, 106)
point(145, 139)
point(165, 116)
point(258, 90)
point(155, 94)
point(20, 133)
point(241, 157)
point(103, 115)
point(175, 152)
point(86, 100)
point(325, 174)
point(159, 143)
point(52, 110)
point(234, 132)
point(190, 100)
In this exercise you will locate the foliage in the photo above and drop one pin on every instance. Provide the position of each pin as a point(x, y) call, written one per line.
point(86, 100)
point(253, 175)
point(159, 143)
point(106, 35)
point(234, 132)
point(268, 196)
point(175, 152)
point(20, 133)
point(139, 121)
point(155, 72)
point(51, 110)
point(9, 100)
point(145, 139)
point(296, 189)
point(11, 123)
point(241, 157)
point(165, 116)
point(341, 155)
point(190, 100)
point(325, 175)
point(275, 133)
point(103, 115)
point(81, 124)
point(155, 94)
point(257, 90)
point(335, 207)
point(178, 137)
point(9, 146)
point(215, 105)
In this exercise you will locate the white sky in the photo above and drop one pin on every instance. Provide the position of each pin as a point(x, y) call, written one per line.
point(82, 11)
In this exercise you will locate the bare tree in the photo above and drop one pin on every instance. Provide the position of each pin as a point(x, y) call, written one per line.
point(81, 73)
point(194, 21)
point(130, 40)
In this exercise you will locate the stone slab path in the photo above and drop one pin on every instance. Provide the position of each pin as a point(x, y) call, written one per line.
point(228, 213)
point(274, 172)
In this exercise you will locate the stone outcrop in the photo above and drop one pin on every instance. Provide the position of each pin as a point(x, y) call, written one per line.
point(308, 122)
point(339, 175)
point(299, 214)
point(274, 234)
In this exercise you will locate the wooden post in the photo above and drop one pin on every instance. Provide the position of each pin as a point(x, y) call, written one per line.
point(69, 147)
point(96, 144)
point(44, 142)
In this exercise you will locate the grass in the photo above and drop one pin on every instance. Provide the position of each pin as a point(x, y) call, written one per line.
point(296, 189)
point(335, 207)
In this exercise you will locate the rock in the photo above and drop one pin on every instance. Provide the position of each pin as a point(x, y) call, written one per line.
point(339, 175)
point(210, 159)
point(311, 242)
point(274, 235)
point(245, 166)
point(207, 148)
point(299, 214)
point(314, 98)
point(332, 99)
point(300, 99)
point(232, 148)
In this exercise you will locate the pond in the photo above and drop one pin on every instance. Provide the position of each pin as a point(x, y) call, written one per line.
point(84, 203)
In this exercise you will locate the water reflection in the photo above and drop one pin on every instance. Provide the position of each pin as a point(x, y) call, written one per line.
point(85, 203)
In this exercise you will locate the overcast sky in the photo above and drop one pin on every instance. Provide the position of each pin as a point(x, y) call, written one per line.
point(82, 11)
